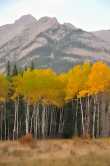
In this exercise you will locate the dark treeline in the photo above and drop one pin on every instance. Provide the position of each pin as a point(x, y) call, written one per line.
point(50, 105)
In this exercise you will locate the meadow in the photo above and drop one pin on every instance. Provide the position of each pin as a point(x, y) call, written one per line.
point(71, 152)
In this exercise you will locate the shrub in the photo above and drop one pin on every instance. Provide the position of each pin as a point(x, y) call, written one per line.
point(27, 139)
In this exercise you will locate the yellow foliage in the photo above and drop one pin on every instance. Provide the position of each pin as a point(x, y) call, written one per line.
point(83, 93)
point(3, 88)
point(45, 86)
point(77, 79)
point(40, 85)
point(99, 78)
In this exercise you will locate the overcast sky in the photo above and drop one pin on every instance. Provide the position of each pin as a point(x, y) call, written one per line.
point(89, 15)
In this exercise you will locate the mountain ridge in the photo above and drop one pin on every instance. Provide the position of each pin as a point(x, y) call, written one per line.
point(49, 44)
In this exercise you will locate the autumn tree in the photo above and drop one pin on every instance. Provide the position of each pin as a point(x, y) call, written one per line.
point(98, 82)
point(3, 98)
point(41, 101)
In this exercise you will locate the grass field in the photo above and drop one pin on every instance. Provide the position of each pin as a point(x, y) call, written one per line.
point(74, 152)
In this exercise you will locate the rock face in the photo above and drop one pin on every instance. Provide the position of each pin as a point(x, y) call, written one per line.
point(104, 35)
point(50, 44)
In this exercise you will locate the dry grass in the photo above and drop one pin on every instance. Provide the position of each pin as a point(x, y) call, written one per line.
point(76, 152)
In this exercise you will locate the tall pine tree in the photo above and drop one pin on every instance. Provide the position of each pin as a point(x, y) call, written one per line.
point(15, 70)
point(8, 69)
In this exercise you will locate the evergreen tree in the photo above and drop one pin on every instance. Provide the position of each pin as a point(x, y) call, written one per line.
point(32, 65)
point(8, 69)
point(15, 71)
point(25, 68)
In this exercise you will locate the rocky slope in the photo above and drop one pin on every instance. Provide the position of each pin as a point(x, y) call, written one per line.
point(49, 44)
point(103, 34)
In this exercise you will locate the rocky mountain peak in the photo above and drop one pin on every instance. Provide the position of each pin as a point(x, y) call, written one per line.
point(26, 19)
point(48, 21)
point(69, 26)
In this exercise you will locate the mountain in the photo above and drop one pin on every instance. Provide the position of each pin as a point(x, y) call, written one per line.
point(103, 34)
point(48, 43)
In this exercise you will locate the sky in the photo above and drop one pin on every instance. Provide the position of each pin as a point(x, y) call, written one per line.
point(89, 15)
